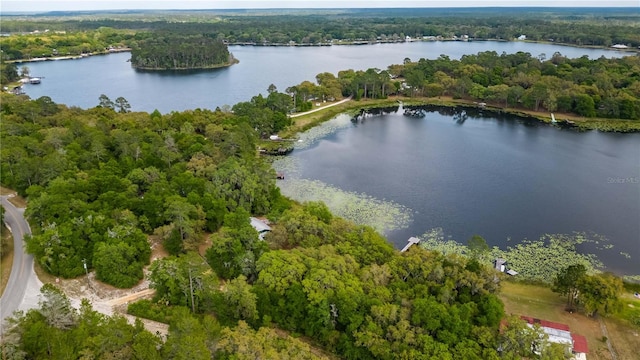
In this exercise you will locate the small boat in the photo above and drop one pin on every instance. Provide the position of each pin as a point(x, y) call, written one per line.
point(34, 80)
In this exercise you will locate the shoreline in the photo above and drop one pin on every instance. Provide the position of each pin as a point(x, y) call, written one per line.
point(68, 57)
point(354, 108)
point(220, 66)
point(630, 51)
point(317, 116)
point(437, 39)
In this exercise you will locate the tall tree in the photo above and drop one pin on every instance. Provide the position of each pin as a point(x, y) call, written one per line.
point(123, 105)
point(567, 283)
point(105, 102)
point(600, 294)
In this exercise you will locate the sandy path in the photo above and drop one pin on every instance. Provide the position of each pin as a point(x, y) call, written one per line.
point(321, 108)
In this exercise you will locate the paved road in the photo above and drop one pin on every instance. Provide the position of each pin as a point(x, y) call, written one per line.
point(23, 289)
point(22, 273)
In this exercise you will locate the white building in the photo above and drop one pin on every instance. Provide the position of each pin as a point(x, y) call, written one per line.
point(261, 227)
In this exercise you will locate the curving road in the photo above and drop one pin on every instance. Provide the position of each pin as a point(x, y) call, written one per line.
point(22, 273)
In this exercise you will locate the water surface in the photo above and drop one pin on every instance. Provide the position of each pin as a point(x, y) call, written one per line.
point(497, 176)
point(81, 82)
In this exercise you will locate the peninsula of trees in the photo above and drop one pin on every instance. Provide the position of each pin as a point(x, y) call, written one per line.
point(180, 52)
point(608, 89)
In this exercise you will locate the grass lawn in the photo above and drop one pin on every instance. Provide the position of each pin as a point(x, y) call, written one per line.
point(540, 302)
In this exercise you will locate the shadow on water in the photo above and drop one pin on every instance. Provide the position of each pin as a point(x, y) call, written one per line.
point(363, 114)
point(459, 114)
point(182, 72)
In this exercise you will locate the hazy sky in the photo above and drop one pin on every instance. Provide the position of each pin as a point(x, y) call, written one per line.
point(42, 5)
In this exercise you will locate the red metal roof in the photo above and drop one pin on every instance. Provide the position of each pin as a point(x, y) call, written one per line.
point(579, 344)
point(554, 325)
point(545, 323)
point(579, 341)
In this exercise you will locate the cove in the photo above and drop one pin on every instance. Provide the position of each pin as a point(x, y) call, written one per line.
point(497, 176)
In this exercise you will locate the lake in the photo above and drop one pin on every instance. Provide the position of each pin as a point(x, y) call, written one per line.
point(81, 82)
point(498, 177)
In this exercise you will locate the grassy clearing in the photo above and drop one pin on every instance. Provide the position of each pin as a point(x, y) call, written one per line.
point(308, 121)
point(541, 302)
point(625, 340)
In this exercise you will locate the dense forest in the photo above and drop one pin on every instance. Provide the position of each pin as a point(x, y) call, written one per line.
point(175, 52)
point(73, 34)
point(95, 180)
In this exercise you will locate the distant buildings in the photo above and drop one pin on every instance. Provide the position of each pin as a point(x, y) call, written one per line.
point(619, 46)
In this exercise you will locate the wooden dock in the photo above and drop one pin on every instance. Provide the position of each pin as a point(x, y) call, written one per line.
point(412, 241)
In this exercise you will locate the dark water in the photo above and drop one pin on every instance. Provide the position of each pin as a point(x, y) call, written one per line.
point(80, 82)
point(495, 176)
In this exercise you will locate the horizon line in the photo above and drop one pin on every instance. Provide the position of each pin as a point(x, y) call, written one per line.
point(327, 8)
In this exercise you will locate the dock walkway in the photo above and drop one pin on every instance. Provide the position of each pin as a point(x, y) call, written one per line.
point(412, 241)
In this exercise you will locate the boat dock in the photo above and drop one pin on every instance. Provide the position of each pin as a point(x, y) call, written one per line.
point(412, 241)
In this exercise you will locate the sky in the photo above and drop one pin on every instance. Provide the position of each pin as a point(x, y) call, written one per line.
point(53, 5)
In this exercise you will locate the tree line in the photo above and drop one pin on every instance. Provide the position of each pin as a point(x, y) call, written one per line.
point(582, 27)
point(180, 52)
point(56, 330)
point(606, 88)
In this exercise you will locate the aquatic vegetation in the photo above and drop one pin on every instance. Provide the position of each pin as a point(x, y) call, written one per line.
point(287, 165)
point(534, 260)
point(319, 132)
point(632, 278)
point(360, 208)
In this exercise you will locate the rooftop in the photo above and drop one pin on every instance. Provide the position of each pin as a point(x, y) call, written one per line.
point(259, 225)
point(560, 333)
